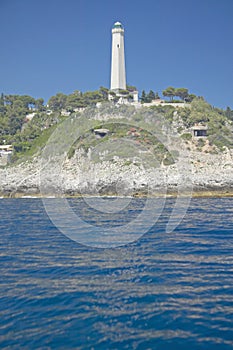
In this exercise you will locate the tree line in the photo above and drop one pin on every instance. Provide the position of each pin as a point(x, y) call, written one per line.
point(15, 128)
point(13, 110)
point(170, 92)
point(79, 99)
point(182, 93)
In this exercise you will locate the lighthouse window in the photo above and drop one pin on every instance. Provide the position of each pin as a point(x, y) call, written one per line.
point(118, 45)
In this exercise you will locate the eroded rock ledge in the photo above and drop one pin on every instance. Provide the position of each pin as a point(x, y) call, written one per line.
point(202, 173)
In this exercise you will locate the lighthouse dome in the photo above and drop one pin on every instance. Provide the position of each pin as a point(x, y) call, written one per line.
point(117, 25)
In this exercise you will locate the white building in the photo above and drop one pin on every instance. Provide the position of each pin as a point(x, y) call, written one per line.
point(118, 76)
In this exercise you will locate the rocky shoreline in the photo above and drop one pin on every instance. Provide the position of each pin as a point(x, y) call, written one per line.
point(204, 175)
point(198, 194)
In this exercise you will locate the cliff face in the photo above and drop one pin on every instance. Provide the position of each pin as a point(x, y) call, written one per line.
point(125, 160)
point(80, 175)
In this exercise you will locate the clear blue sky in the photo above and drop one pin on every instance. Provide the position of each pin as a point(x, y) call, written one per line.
point(50, 46)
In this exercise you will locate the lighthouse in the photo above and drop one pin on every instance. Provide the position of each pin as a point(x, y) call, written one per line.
point(118, 76)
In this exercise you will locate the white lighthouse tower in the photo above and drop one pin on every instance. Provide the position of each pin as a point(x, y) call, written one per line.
point(118, 78)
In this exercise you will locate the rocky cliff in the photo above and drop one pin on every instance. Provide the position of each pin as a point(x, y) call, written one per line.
point(120, 163)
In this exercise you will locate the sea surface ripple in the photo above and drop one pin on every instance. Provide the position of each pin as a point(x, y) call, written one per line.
point(164, 291)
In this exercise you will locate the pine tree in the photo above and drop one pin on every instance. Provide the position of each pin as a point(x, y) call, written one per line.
point(143, 97)
point(150, 96)
point(2, 99)
point(2, 106)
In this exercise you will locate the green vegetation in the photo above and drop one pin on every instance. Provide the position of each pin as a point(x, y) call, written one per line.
point(26, 123)
point(77, 99)
point(186, 136)
point(170, 92)
point(217, 121)
point(182, 93)
point(13, 112)
point(123, 141)
point(147, 98)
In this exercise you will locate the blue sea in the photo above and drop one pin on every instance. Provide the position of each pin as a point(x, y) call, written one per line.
point(164, 290)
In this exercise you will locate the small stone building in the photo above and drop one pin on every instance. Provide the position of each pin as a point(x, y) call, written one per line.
point(5, 154)
point(199, 130)
point(99, 133)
